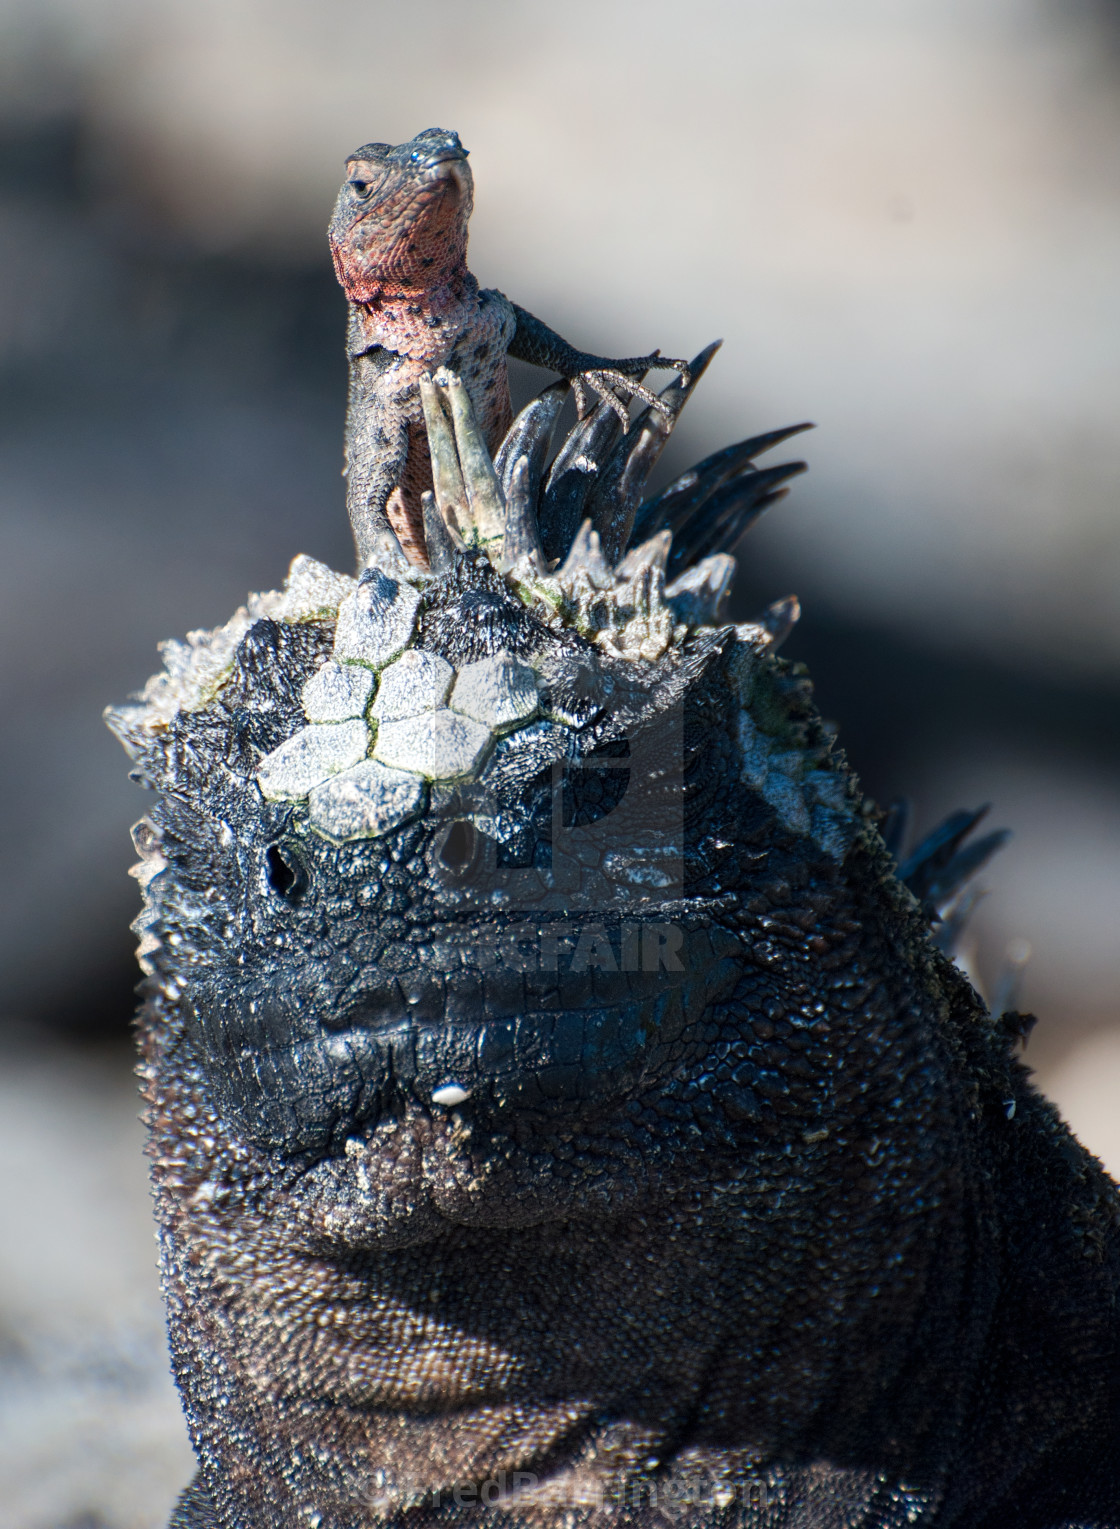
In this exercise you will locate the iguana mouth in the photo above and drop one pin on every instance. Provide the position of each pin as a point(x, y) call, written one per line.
point(300, 1068)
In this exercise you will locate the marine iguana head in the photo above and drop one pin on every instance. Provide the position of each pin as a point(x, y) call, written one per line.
point(401, 216)
point(453, 857)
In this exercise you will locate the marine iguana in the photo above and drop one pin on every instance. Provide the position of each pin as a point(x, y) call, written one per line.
point(559, 1110)
point(399, 240)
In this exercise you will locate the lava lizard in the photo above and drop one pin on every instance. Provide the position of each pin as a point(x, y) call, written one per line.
point(398, 236)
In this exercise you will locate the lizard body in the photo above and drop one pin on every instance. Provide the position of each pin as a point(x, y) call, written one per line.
point(560, 1113)
point(398, 236)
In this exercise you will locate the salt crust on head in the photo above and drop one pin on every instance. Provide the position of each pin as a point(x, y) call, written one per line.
point(627, 612)
point(196, 669)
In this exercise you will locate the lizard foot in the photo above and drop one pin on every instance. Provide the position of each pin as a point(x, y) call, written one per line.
point(617, 387)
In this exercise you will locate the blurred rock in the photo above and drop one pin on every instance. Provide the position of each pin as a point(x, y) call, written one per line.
point(1084, 1088)
point(90, 1427)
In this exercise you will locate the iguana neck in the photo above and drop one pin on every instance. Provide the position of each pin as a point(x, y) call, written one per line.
point(850, 1310)
point(867, 1227)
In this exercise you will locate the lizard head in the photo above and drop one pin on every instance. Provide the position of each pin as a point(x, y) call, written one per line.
point(402, 213)
point(445, 873)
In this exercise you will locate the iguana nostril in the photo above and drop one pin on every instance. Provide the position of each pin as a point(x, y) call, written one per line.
point(287, 874)
point(460, 848)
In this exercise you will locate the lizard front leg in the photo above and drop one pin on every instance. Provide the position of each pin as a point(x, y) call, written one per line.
point(535, 342)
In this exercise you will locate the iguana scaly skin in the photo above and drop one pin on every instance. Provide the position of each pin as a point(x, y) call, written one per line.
point(399, 240)
point(559, 1111)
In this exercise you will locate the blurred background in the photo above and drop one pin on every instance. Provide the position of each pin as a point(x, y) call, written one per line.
point(904, 220)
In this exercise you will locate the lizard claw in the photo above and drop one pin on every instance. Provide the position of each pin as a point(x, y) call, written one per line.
point(617, 388)
point(671, 364)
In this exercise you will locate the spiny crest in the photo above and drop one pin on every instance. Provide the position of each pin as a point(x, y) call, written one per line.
point(941, 870)
point(578, 542)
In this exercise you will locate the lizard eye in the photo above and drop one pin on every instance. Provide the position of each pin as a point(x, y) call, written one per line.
point(360, 187)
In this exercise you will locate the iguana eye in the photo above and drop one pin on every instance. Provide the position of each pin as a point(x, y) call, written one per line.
point(286, 871)
point(360, 187)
